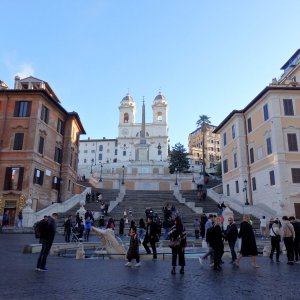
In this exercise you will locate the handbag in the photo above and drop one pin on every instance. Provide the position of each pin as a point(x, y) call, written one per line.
point(175, 243)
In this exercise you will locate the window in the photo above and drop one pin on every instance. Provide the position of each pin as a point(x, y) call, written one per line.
point(233, 132)
point(100, 156)
point(269, 146)
point(259, 153)
point(266, 112)
point(288, 107)
point(272, 177)
point(58, 155)
point(124, 153)
point(60, 126)
point(13, 179)
point(116, 151)
point(228, 190)
point(249, 124)
point(237, 189)
point(18, 142)
point(55, 183)
point(253, 184)
point(71, 160)
point(126, 118)
point(41, 145)
point(296, 175)
point(69, 185)
point(224, 139)
point(45, 114)
point(225, 166)
point(292, 141)
point(251, 155)
point(38, 177)
point(92, 151)
point(22, 109)
point(85, 151)
point(100, 147)
point(235, 160)
point(84, 160)
point(159, 117)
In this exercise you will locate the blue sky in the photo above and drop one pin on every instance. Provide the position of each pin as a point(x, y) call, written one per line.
point(208, 57)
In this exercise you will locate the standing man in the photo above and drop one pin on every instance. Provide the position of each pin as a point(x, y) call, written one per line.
point(48, 231)
point(296, 225)
point(150, 237)
point(208, 226)
point(231, 235)
point(68, 227)
point(263, 227)
point(288, 234)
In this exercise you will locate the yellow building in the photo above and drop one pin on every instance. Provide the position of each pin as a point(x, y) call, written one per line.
point(260, 146)
point(212, 148)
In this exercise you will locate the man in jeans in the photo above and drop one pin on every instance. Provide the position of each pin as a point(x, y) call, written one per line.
point(288, 234)
point(231, 235)
point(47, 231)
point(208, 226)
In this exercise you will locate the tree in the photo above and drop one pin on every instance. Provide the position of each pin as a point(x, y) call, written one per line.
point(178, 159)
point(203, 123)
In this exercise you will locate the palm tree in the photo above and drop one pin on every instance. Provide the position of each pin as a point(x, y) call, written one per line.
point(203, 123)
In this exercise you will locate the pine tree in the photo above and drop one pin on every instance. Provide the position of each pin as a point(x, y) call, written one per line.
point(178, 159)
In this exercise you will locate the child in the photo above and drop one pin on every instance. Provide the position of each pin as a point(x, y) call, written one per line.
point(133, 251)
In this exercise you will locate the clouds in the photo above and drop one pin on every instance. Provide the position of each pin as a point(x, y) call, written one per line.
point(25, 70)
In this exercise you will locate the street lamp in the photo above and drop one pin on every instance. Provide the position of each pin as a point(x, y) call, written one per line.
point(245, 190)
point(193, 181)
point(123, 169)
point(101, 166)
point(176, 182)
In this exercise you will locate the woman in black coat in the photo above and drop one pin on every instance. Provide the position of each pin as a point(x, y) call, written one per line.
point(177, 233)
point(216, 242)
point(248, 247)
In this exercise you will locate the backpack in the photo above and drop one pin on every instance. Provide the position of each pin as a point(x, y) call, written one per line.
point(37, 229)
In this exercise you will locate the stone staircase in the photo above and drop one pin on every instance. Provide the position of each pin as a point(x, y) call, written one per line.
point(210, 206)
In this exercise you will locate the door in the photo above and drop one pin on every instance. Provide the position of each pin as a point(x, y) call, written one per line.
point(297, 210)
point(11, 215)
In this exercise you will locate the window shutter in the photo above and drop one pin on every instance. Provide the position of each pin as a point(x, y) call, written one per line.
point(16, 111)
point(28, 109)
point(20, 181)
point(7, 180)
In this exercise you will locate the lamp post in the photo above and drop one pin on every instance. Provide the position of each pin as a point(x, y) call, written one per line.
point(176, 182)
point(193, 180)
point(245, 190)
point(101, 166)
point(123, 169)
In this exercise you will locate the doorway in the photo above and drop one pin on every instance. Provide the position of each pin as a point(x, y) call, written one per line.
point(297, 210)
point(11, 214)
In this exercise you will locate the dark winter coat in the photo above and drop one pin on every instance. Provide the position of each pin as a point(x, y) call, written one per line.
point(231, 233)
point(216, 237)
point(248, 240)
point(151, 231)
point(133, 251)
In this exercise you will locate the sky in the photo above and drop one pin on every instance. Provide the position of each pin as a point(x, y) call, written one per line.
point(206, 57)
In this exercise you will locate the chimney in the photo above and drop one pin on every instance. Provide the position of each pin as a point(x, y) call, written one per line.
point(17, 79)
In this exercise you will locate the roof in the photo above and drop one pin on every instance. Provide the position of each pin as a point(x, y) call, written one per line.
point(48, 96)
point(290, 60)
point(253, 102)
point(98, 140)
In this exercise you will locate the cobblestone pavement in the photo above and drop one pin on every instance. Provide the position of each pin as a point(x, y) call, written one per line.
point(68, 278)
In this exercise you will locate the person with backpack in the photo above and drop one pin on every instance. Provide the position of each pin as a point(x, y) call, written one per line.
point(47, 233)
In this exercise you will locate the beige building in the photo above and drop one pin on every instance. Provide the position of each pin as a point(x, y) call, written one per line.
point(212, 149)
point(260, 146)
point(39, 145)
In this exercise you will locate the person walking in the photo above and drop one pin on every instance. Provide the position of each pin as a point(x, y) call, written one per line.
point(177, 243)
point(275, 234)
point(231, 235)
point(133, 250)
point(150, 237)
point(197, 229)
point(249, 247)
point(87, 227)
point(208, 226)
point(288, 234)
point(20, 219)
point(47, 231)
point(216, 242)
point(296, 225)
point(121, 227)
point(142, 227)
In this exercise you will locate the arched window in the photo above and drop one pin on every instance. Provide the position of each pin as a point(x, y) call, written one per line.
point(126, 118)
point(159, 116)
